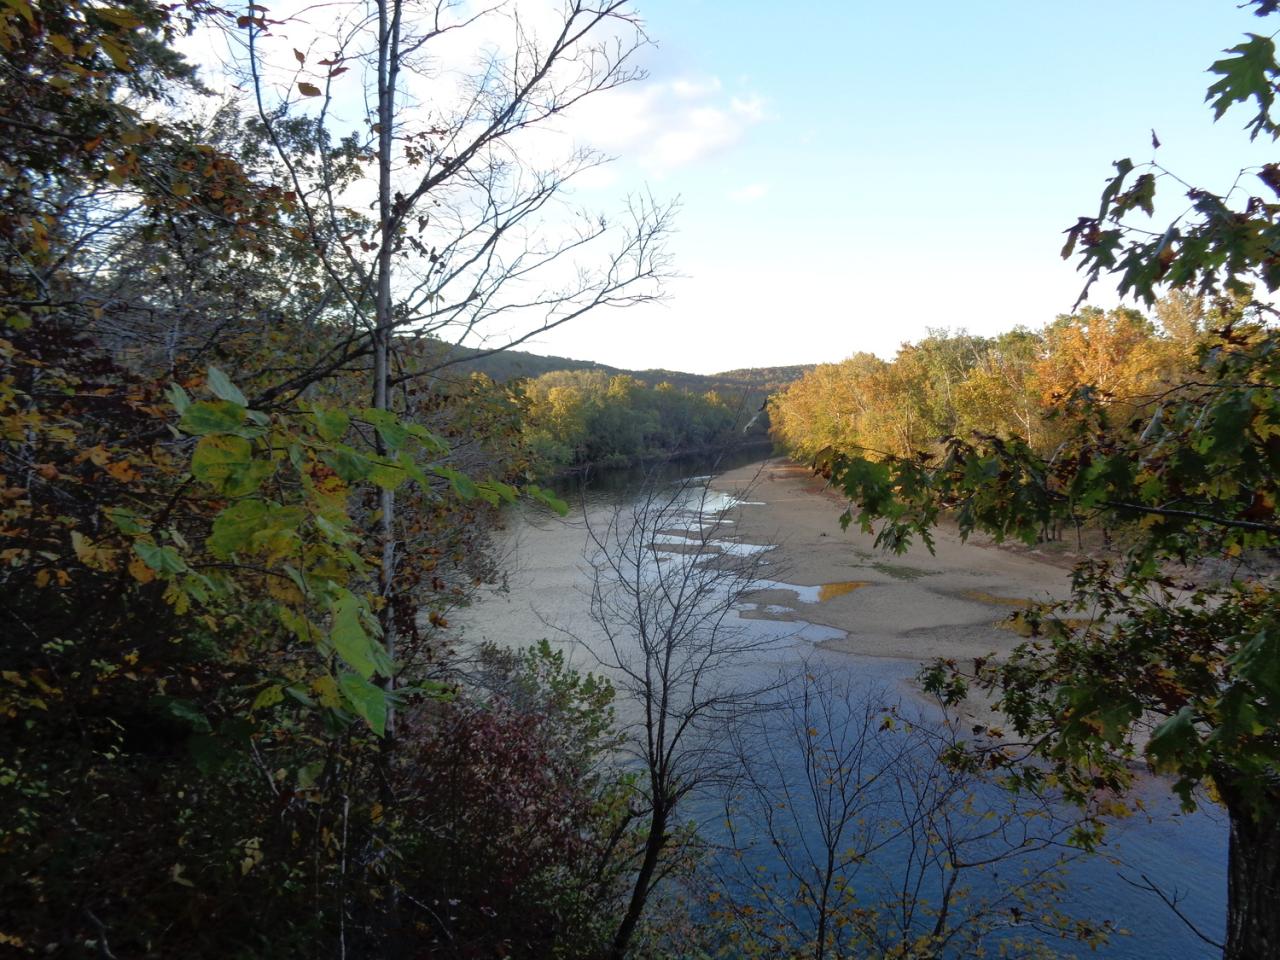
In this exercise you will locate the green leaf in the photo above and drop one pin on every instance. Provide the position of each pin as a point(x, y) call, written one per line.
point(430, 442)
point(548, 498)
point(349, 638)
point(234, 527)
point(126, 521)
point(267, 697)
point(388, 425)
point(206, 417)
point(164, 560)
point(352, 467)
point(227, 464)
point(368, 700)
point(387, 475)
point(1173, 740)
point(462, 485)
point(494, 491)
point(224, 389)
point(414, 472)
point(1246, 76)
point(335, 532)
point(296, 624)
point(331, 424)
point(1258, 663)
point(1123, 169)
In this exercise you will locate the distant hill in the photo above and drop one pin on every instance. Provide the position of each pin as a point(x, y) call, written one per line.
point(515, 364)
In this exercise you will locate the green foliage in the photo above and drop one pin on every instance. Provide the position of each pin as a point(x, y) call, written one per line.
point(588, 417)
point(196, 693)
point(1250, 75)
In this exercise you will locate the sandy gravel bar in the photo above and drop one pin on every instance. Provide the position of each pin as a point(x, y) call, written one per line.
point(916, 606)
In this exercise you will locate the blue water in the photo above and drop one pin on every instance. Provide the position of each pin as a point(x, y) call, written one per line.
point(1184, 853)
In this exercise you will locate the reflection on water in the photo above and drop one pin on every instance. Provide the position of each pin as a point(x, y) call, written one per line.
point(612, 484)
point(728, 548)
point(829, 591)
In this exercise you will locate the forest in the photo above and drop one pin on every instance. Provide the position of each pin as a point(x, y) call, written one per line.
point(579, 414)
point(578, 418)
point(252, 474)
point(1016, 384)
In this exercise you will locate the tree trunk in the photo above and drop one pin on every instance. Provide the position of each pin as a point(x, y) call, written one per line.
point(653, 846)
point(384, 323)
point(1253, 884)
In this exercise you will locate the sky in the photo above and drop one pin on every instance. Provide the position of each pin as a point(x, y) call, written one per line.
point(851, 174)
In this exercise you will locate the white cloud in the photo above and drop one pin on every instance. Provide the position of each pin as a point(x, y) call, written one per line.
point(666, 125)
point(752, 191)
point(750, 108)
point(691, 89)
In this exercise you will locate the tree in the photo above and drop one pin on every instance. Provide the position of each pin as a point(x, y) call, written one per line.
point(1175, 659)
point(664, 590)
point(1001, 394)
point(451, 247)
point(236, 500)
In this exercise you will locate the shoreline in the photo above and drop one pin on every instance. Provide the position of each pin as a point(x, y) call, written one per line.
point(916, 606)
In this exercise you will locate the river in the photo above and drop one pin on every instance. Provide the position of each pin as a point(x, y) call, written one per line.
point(545, 596)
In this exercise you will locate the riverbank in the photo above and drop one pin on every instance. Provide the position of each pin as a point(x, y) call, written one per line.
point(953, 603)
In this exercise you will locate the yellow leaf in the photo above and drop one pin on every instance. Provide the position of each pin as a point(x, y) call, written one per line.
point(284, 590)
point(308, 89)
point(121, 18)
point(98, 456)
point(95, 558)
point(23, 8)
point(326, 690)
point(119, 56)
point(140, 571)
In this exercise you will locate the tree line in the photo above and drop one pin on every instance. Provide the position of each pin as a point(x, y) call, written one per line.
point(1014, 384)
point(575, 418)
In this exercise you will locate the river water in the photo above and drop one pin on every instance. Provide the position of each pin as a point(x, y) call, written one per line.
point(546, 596)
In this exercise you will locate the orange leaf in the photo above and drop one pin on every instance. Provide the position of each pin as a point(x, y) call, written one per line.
point(308, 90)
point(140, 571)
point(122, 471)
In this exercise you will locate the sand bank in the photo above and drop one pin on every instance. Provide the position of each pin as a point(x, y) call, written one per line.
point(916, 606)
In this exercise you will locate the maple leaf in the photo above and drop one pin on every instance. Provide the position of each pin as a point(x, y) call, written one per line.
point(1244, 77)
